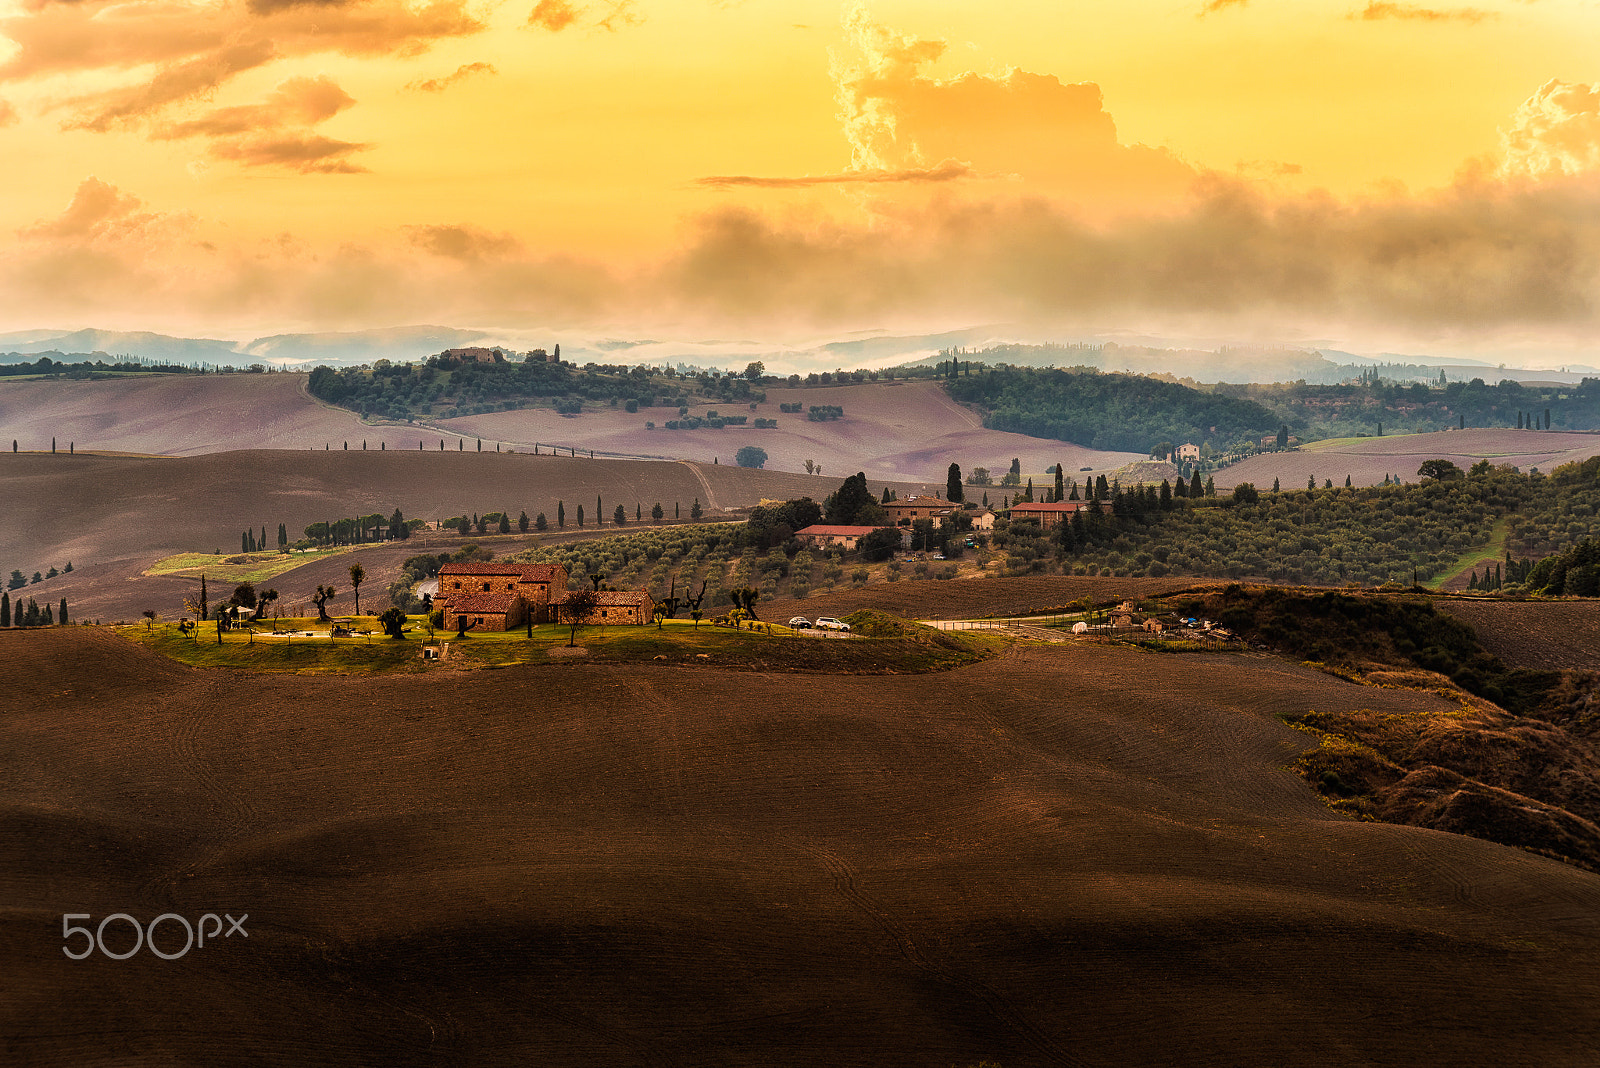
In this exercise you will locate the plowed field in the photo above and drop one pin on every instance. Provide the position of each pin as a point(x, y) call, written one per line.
point(1072, 855)
point(1535, 634)
point(1368, 460)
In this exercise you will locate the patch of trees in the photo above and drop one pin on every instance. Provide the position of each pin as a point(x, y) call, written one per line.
point(751, 456)
point(822, 413)
point(359, 530)
point(1319, 537)
point(94, 368)
point(1107, 411)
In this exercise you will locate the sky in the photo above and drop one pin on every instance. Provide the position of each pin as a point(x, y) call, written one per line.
point(1375, 175)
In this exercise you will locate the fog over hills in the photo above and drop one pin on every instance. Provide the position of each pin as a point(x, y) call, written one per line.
point(1205, 360)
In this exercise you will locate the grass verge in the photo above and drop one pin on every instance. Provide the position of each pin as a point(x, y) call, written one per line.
point(675, 642)
point(238, 567)
point(1491, 552)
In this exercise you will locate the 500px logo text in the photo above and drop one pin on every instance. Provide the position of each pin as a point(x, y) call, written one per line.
point(146, 936)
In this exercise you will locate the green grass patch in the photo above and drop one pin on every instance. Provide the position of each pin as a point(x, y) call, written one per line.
point(1492, 551)
point(238, 567)
point(675, 642)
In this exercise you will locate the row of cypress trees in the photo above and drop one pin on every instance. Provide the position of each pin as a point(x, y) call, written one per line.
point(32, 615)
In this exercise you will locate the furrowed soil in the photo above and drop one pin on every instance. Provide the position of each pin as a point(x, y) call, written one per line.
point(973, 598)
point(1368, 460)
point(1547, 635)
point(891, 430)
point(1068, 855)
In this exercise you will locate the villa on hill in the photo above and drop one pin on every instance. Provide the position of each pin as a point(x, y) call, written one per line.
point(498, 596)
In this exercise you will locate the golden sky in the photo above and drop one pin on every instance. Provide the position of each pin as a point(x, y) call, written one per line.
point(1358, 171)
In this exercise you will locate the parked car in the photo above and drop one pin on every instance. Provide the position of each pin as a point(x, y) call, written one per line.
point(939, 557)
point(800, 623)
point(828, 623)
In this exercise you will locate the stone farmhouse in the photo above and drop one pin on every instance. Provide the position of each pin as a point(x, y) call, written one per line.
point(612, 608)
point(822, 536)
point(498, 596)
point(1188, 452)
point(1049, 514)
point(903, 512)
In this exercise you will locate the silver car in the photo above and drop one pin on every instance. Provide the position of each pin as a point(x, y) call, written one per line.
point(829, 623)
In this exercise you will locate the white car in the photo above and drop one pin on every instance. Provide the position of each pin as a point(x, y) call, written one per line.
point(800, 623)
point(828, 623)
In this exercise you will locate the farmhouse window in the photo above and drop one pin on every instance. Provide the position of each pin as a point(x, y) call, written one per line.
point(458, 584)
point(486, 587)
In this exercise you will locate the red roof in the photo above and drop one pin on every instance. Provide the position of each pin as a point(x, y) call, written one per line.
point(481, 568)
point(525, 572)
point(837, 532)
point(1054, 506)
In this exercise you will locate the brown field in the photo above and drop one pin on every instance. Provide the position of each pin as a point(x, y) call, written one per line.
point(1106, 864)
point(979, 598)
point(891, 430)
point(112, 516)
point(1551, 635)
point(1368, 460)
point(901, 432)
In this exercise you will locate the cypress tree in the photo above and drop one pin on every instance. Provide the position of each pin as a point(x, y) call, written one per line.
point(1274, 485)
point(1060, 485)
point(599, 509)
point(203, 611)
point(48, 618)
point(677, 509)
point(62, 618)
point(5, 609)
point(580, 515)
point(561, 514)
point(637, 515)
point(1195, 487)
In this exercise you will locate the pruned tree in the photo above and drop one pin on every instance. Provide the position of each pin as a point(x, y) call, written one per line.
point(321, 598)
point(746, 597)
point(149, 617)
point(576, 608)
point(358, 574)
point(393, 622)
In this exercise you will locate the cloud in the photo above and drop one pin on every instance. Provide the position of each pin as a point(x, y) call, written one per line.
point(553, 15)
point(947, 171)
point(1555, 132)
point(178, 52)
point(460, 242)
point(98, 209)
point(439, 85)
point(1385, 9)
point(1213, 6)
point(557, 15)
point(296, 102)
point(1057, 137)
point(307, 153)
point(8, 115)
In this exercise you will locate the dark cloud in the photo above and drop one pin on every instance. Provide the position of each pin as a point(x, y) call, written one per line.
point(948, 171)
point(439, 85)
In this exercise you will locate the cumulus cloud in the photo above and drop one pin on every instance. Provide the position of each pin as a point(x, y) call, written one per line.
point(1554, 132)
point(1385, 9)
point(947, 171)
point(1056, 136)
point(439, 85)
point(98, 209)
